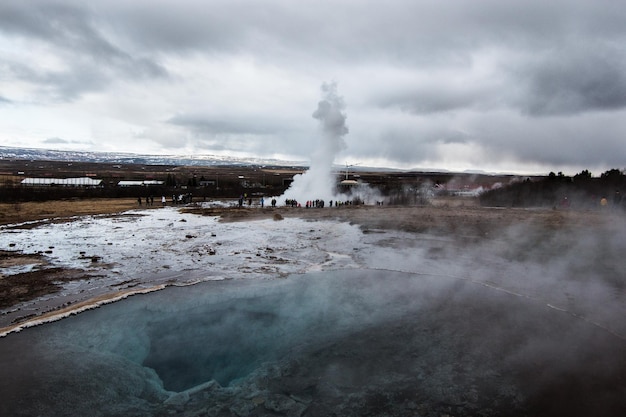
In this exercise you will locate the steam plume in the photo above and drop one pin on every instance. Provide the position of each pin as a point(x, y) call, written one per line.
point(319, 182)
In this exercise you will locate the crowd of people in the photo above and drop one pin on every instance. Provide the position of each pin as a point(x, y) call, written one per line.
point(321, 203)
point(176, 199)
point(244, 200)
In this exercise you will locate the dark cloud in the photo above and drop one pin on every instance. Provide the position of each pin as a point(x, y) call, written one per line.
point(59, 85)
point(243, 133)
point(590, 141)
point(72, 35)
point(437, 98)
point(587, 78)
point(528, 82)
point(55, 141)
point(226, 125)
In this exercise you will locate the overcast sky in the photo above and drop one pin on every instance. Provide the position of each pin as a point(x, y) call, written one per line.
point(495, 85)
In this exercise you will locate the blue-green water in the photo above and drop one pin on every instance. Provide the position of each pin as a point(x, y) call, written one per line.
point(387, 342)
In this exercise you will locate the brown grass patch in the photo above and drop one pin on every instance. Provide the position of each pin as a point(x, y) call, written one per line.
point(33, 211)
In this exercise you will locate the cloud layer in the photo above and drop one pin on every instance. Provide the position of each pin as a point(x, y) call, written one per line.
point(525, 87)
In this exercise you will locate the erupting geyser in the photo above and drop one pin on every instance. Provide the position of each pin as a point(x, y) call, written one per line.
point(319, 182)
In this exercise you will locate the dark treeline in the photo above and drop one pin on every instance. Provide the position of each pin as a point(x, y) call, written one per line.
point(558, 190)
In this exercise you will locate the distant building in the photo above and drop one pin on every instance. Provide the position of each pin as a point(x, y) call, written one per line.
point(144, 183)
point(62, 182)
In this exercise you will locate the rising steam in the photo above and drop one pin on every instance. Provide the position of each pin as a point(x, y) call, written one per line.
point(319, 182)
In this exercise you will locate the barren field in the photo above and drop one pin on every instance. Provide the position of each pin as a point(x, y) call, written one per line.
point(11, 213)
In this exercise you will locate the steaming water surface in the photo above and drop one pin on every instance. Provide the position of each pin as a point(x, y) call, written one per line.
point(351, 342)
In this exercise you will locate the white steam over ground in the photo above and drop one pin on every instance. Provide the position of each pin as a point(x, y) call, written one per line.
point(320, 181)
point(525, 322)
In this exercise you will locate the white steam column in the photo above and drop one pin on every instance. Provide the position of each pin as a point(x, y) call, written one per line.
point(319, 182)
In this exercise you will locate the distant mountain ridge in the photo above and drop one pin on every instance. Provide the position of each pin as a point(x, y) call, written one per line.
point(35, 154)
point(130, 158)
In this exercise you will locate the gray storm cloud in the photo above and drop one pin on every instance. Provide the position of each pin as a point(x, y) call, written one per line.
point(570, 82)
point(449, 67)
